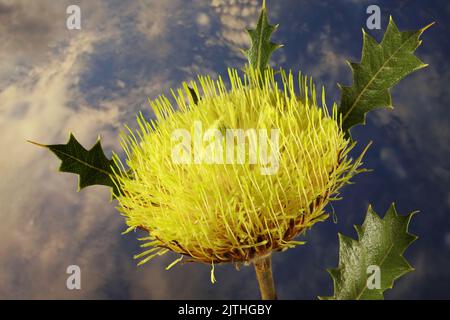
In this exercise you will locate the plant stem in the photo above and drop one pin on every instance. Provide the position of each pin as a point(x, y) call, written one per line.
point(263, 268)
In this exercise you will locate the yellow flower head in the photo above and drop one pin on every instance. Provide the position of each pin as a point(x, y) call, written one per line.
point(236, 175)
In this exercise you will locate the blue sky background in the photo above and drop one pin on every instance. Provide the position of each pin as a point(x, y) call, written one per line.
point(89, 82)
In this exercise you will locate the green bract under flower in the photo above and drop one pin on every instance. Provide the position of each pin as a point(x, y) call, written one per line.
point(197, 198)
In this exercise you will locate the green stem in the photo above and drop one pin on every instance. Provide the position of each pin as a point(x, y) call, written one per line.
point(263, 268)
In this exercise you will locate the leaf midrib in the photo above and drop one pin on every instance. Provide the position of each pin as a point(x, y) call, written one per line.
point(83, 162)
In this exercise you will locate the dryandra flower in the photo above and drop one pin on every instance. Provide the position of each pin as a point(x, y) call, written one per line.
point(233, 211)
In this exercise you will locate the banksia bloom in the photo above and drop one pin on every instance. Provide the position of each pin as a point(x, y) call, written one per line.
point(199, 199)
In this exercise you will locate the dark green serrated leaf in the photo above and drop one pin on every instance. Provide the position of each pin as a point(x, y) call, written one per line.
point(381, 242)
point(92, 166)
point(261, 47)
point(382, 66)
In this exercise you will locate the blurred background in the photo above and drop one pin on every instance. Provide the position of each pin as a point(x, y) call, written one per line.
point(93, 81)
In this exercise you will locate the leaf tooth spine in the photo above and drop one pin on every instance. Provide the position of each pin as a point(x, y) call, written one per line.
point(427, 26)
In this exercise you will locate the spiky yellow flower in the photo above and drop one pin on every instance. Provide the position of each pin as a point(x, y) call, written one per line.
point(217, 205)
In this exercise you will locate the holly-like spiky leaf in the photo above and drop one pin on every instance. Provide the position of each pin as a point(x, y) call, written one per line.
point(92, 166)
point(261, 47)
point(382, 66)
point(381, 245)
